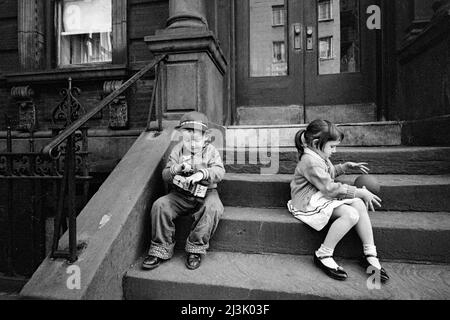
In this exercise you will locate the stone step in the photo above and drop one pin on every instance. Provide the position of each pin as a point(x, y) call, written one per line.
point(410, 236)
point(293, 114)
point(382, 160)
point(399, 192)
point(9, 296)
point(356, 134)
point(239, 276)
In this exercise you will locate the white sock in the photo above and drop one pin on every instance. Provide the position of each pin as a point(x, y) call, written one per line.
point(370, 249)
point(325, 251)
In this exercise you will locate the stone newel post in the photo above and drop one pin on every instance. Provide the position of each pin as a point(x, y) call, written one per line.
point(187, 14)
point(192, 77)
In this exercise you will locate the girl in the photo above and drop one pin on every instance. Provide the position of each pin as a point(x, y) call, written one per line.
point(317, 198)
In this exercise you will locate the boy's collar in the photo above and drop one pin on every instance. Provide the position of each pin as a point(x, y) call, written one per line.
point(190, 152)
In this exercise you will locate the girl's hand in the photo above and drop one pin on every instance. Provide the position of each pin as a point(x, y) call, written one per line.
point(196, 177)
point(354, 165)
point(369, 198)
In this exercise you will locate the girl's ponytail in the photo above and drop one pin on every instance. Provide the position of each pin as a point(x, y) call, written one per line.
point(299, 143)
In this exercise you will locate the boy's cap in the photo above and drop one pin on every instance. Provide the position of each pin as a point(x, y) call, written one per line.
point(193, 120)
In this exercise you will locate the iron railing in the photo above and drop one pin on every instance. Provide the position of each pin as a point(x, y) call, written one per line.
point(69, 176)
point(65, 163)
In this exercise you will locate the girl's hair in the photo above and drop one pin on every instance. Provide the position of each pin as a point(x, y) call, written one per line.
point(321, 130)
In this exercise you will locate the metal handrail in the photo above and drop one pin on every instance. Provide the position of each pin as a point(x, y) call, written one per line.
point(72, 128)
point(67, 187)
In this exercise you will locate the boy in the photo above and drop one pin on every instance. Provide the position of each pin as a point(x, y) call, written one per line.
point(192, 163)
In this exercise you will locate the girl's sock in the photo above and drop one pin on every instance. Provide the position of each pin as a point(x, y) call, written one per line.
point(325, 251)
point(370, 249)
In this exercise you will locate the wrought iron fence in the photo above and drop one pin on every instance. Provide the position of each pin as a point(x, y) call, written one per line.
point(62, 161)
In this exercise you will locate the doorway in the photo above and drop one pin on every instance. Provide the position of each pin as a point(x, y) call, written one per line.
point(316, 55)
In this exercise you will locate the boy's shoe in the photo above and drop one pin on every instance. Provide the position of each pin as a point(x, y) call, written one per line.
point(193, 261)
point(151, 262)
point(338, 274)
point(384, 277)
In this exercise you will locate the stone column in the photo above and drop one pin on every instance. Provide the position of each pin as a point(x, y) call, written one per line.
point(192, 77)
point(31, 29)
point(187, 14)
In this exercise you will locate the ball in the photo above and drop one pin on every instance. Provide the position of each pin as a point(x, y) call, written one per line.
point(368, 181)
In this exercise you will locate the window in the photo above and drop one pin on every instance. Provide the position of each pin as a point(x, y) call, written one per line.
point(326, 48)
point(268, 35)
point(279, 64)
point(278, 16)
point(279, 52)
point(325, 10)
point(84, 32)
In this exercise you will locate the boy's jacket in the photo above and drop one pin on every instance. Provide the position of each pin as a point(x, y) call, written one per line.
point(208, 161)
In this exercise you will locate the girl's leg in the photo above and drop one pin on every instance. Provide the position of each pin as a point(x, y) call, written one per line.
point(365, 232)
point(346, 217)
point(364, 226)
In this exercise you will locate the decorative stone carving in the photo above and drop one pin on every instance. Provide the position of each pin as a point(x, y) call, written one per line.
point(31, 34)
point(27, 109)
point(118, 109)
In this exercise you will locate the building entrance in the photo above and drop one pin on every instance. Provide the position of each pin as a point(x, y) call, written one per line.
point(307, 53)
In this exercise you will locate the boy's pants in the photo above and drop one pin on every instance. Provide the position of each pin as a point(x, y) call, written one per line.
point(166, 209)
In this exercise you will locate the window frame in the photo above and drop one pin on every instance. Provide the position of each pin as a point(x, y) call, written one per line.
point(282, 47)
point(118, 42)
point(331, 17)
point(276, 8)
point(331, 47)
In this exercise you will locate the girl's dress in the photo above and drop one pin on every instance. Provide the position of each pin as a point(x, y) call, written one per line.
point(318, 210)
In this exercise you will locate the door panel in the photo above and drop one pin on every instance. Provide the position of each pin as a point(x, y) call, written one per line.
point(341, 67)
point(269, 68)
point(314, 53)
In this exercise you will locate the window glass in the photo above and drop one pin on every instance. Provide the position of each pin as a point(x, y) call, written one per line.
point(268, 38)
point(339, 36)
point(278, 16)
point(326, 48)
point(279, 52)
point(85, 31)
point(325, 10)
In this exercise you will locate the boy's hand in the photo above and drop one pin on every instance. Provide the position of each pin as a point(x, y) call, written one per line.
point(353, 165)
point(369, 198)
point(186, 167)
point(183, 168)
point(196, 177)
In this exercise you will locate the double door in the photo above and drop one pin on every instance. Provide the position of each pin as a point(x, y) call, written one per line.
point(304, 52)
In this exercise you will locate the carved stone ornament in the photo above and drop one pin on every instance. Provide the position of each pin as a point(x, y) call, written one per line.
point(27, 108)
point(118, 109)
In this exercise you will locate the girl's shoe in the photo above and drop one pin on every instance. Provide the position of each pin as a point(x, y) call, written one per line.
point(366, 264)
point(338, 274)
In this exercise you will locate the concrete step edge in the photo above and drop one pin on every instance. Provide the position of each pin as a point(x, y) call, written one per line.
point(410, 220)
point(383, 179)
point(345, 149)
point(378, 123)
point(225, 275)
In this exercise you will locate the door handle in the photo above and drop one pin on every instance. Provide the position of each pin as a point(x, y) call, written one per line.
point(297, 33)
point(309, 38)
